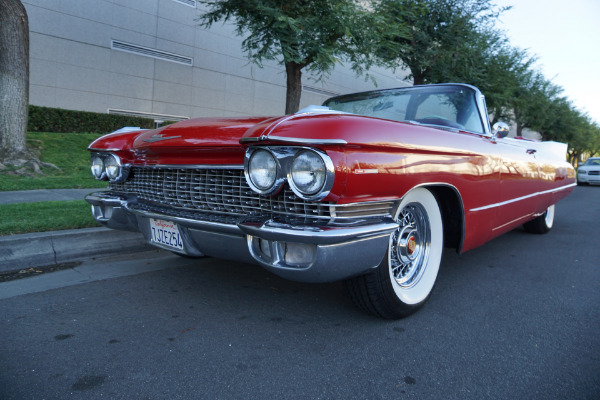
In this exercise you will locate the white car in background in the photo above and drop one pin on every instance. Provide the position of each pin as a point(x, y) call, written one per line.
point(589, 172)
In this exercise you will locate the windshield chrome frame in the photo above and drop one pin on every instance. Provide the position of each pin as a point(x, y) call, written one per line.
point(479, 102)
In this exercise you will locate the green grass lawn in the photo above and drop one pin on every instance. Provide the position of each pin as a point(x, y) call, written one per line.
point(45, 216)
point(68, 151)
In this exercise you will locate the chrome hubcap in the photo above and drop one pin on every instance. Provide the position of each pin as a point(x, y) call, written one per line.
point(410, 244)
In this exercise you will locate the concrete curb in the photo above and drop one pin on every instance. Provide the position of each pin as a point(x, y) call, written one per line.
point(49, 248)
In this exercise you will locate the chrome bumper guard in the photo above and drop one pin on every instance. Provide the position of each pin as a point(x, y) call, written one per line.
point(295, 251)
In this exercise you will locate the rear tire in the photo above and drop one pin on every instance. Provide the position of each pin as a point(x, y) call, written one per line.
point(403, 281)
point(541, 224)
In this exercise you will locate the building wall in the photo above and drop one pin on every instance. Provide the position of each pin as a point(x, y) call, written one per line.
point(78, 62)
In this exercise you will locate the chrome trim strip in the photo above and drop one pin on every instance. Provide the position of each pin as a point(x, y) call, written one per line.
point(191, 166)
point(250, 140)
point(95, 149)
point(295, 140)
point(157, 137)
point(523, 218)
point(309, 141)
point(275, 231)
point(503, 203)
point(273, 126)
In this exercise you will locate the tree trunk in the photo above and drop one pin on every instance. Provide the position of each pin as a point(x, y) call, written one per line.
point(14, 78)
point(293, 73)
point(520, 129)
point(418, 80)
point(418, 75)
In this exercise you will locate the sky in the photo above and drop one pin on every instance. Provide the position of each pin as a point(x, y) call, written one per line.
point(565, 36)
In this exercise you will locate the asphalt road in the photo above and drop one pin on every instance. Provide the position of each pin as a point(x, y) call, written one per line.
point(515, 319)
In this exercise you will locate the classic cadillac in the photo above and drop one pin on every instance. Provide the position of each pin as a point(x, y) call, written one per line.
point(367, 188)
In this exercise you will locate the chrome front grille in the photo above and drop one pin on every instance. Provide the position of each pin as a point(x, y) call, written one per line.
point(225, 191)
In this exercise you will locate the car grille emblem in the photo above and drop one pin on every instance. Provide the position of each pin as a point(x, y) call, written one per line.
point(158, 137)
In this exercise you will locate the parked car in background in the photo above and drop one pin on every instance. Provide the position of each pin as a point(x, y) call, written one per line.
point(367, 188)
point(589, 171)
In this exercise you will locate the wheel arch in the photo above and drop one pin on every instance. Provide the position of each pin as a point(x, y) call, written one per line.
point(453, 213)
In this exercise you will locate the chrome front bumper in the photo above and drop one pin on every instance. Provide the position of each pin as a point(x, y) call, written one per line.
point(296, 252)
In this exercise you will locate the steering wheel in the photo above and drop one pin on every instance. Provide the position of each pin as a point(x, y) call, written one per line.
point(442, 121)
point(433, 116)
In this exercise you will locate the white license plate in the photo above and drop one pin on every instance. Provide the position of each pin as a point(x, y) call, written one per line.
point(165, 233)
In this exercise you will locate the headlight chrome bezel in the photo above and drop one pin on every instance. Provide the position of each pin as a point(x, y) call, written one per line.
point(284, 157)
point(99, 173)
point(109, 160)
point(325, 168)
point(278, 178)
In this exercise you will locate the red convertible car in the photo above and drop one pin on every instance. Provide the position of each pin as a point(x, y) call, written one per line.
point(367, 188)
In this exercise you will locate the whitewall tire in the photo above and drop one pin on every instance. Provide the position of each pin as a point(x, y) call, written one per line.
point(403, 281)
point(543, 223)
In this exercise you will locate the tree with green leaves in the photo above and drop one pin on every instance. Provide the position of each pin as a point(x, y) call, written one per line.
point(501, 70)
point(300, 34)
point(445, 41)
point(531, 100)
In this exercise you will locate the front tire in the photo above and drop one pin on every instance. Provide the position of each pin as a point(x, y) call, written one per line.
point(403, 281)
point(541, 224)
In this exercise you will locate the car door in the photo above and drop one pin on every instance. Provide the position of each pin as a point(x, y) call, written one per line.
point(519, 183)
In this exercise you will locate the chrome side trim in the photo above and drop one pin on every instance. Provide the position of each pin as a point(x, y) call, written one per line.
point(250, 140)
point(309, 141)
point(322, 235)
point(275, 125)
point(192, 166)
point(95, 149)
point(503, 203)
point(295, 140)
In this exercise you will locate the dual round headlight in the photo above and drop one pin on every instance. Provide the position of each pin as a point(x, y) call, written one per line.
point(98, 167)
point(262, 170)
point(308, 172)
point(106, 166)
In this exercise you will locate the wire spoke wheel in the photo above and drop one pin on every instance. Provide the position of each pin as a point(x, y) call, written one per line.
point(403, 281)
point(410, 245)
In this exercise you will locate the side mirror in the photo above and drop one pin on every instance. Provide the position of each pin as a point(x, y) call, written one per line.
point(500, 129)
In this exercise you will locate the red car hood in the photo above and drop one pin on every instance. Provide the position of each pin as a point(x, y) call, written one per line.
point(198, 133)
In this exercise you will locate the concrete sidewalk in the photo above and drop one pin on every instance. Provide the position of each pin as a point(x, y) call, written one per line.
point(30, 196)
point(55, 247)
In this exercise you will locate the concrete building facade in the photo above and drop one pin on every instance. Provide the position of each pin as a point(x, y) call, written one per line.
point(150, 58)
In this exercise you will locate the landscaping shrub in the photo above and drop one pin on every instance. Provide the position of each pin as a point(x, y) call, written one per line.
point(47, 119)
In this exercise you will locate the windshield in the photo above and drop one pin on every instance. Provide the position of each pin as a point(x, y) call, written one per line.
point(451, 106)
point(592, 161)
